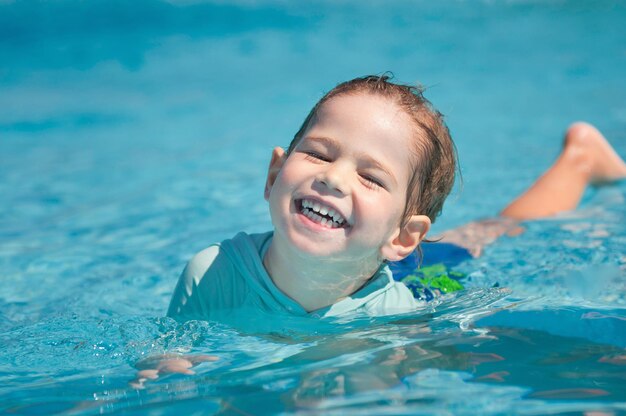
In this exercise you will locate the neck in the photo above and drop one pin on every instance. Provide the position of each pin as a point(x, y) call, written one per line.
point(314, 282)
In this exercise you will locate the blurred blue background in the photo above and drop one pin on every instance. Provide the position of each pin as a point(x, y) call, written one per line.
point(110, 100)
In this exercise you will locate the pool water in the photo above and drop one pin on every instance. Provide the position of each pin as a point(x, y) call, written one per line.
point(134, 134)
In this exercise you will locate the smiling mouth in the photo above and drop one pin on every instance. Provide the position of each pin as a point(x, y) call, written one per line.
point(320, 213)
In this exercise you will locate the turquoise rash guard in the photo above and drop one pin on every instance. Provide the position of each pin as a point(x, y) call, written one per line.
point(227, 282)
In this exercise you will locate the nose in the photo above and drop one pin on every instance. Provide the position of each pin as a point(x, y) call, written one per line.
point(335, 177)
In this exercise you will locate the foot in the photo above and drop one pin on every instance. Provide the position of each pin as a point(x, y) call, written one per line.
point(593, 154)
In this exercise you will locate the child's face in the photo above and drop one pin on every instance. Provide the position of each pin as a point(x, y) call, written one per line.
point(341, 193)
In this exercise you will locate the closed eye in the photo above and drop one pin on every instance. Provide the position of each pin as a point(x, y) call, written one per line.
point(316, 157)
point(372, 182)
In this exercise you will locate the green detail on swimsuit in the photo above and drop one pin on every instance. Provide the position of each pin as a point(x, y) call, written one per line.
point(436, 276)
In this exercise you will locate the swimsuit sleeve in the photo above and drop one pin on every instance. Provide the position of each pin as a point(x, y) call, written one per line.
point(211, 287)
point(224, 281)
point(186, 300)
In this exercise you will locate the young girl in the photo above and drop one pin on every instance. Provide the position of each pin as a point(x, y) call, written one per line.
point(356, 192)
point(358, 187)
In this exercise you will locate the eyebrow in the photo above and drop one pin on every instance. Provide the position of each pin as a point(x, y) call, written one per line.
point(364, 156)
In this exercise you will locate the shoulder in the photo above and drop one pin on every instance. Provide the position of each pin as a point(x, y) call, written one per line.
point(202, 260)
point(224, 257)
point(245, 243)
point(204, 268)
point(234, 247)
point(206, 284)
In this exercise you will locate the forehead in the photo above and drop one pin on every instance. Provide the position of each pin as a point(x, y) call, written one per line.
point(370, 123)
point(380, 111)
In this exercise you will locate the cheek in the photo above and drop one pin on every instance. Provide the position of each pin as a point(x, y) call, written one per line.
point(285, 184)
point(387, 210)
point(396, 206)
point(288, 174)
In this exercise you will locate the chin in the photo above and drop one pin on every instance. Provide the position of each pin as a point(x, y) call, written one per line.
point(313, 248)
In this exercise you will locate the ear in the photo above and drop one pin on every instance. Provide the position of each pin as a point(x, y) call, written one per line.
point(406, 238)
point(278, 158)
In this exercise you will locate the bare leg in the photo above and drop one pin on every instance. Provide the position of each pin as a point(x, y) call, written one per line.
point(587, 158)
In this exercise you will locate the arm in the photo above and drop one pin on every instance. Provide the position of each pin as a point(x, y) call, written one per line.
point(158, 365)
point(187, 301)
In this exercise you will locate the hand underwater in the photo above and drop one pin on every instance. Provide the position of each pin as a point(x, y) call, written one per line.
point(153, 367)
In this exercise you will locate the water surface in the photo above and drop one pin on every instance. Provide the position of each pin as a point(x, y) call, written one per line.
point(132, 135)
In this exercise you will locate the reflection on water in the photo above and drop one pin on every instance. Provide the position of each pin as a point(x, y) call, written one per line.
point(406, 368)
point(396, 366)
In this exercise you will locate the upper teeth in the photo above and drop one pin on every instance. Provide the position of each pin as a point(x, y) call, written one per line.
point(323, 210)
